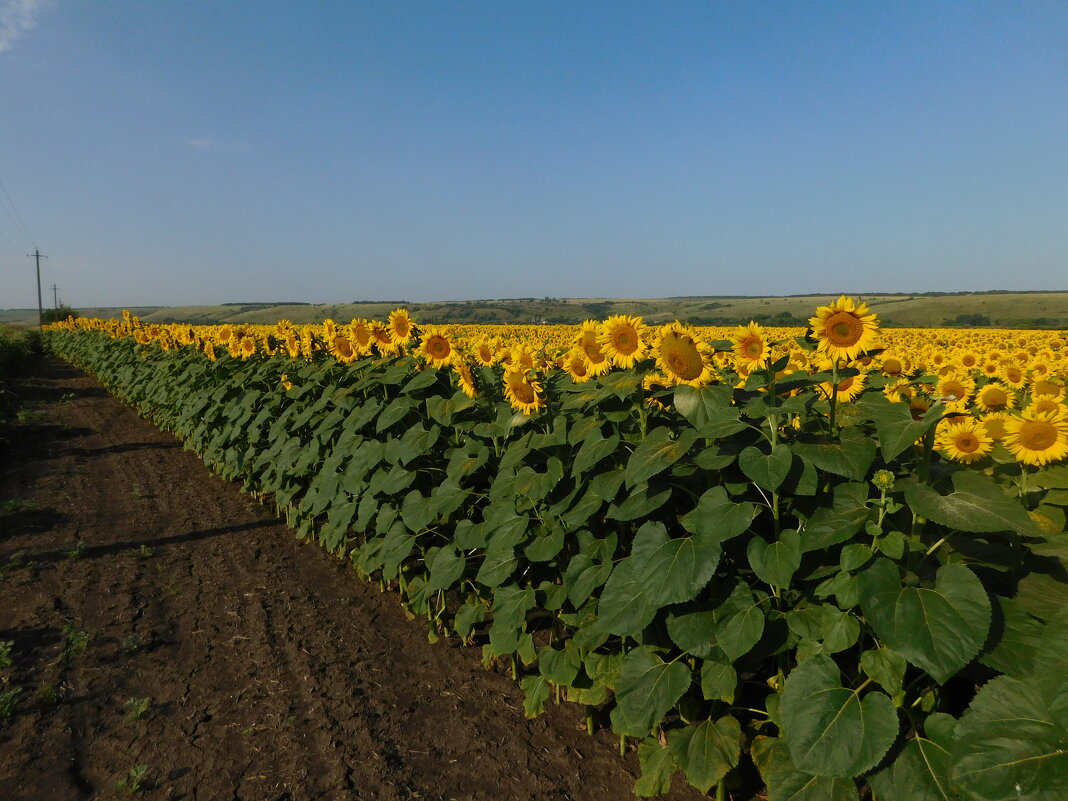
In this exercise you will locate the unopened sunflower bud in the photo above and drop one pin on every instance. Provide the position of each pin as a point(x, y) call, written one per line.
point(883, 480)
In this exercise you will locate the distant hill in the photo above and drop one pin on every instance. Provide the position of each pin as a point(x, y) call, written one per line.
point(919, 310)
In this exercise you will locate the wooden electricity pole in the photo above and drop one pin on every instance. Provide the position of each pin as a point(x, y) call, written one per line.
point(40, 307)
point(55, 297)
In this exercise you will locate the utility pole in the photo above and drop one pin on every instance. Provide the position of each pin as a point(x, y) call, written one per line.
point(40, 307)
point(55, 297)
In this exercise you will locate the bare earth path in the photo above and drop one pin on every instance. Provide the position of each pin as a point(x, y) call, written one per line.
point(272, 671)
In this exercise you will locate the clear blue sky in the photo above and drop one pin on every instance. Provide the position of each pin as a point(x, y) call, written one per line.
point(199, 152)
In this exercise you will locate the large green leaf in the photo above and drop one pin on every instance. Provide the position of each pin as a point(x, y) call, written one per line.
point(657, 764)
point(718, 517)
point(661, 570)
point(767, 470)
point(446, 567)
point(786, 783)
point(647, 688)
point(657, 452)
point(595, 447)
point(775, 563)
point(831, 730)
point(707, 751)
point(940, 628)
point(978, 505)
point(1012, 743)
point(850, 457)
point(921, 771)
point(708, 407)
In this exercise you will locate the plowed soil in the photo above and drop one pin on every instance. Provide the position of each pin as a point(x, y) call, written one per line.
point(131, 577)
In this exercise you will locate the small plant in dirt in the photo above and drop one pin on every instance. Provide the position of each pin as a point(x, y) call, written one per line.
point(16, 505)
point(47, 694)
point(135, 492)
point(9, 699)
point(5, 653)
point(30, 416)
point(136, 780)
point(67, 399)
point(76, 643)
point(131, 644)
point(144, 552)
point(14, 562)
point(77, 550)
point(137, 708)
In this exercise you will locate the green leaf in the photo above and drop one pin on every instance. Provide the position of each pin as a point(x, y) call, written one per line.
point(885, 666)
point(719, 679)
point(624, 607)
point(921, 770)
point(830, 729)
point(638, 504)
point(647, 688)
point(396, 410)
point(510, 607)
point(594, 448)
point(850, 457)
point(940, 628)
point(978, 505)
point(707, 406)
point(894, 426)
point(769, 470)
point(559, 665)
point(467, 616)
point(776, 563)
point(1011, 743)
point(786, 783)
point(446, 567)
point(717, 517)
point(536, 692)
point(707, 751)
point(657, 765)
point(657, 452)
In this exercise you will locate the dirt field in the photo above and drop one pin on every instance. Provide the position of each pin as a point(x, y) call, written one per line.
point(164, 625)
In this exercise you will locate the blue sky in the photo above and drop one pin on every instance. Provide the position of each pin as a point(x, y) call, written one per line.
point(218, 151)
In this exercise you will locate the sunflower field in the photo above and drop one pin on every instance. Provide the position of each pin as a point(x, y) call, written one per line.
point(827, 562)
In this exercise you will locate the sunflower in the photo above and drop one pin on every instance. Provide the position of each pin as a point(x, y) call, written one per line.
point(955, 390)
point(383, 341)
point(751, 348)
point(1037, 438)
point(436, 348)
point(964, 441)
point(486, 351)
point(654, 382)
point(1048, 386)
point(465, 377)
point(849, 389)
point(1012, 374)
point(990, 368)
point(620, 338)
point(682, 355)
point(341, 348)
point(969, 360)
point(899, 391)
point(209, 350)
point(246, 347)
point(286, 383)
point(844, 329)
point(329, 329)
point(523, 391)
point(292, 344)
point(1047, 403)
point(400, 327)
point(994, 424)
point(360, 336)
point(892, 365)
point(587, 340)
point(577, 366)
point(995, 397)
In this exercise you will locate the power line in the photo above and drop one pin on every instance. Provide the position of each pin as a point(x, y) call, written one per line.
point(16, 217)
point(4, 237)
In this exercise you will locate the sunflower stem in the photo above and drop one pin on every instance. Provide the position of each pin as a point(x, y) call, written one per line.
point(834, 397)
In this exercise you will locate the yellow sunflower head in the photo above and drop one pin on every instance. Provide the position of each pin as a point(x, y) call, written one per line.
point(1037, 438)
point(383, 340)
point(994, 424)
point(523, 391)
point(437, 348)
point(1048, 403)
point(621, 340)
point(849, 389)
point(893, 366)
point(1048, 386)
point(577, 366)
point(340, 346)
point(682, 355)
point(209, 349)
point(487, 351)
point(955, 390)
point(246, 347)
point(465, 378)
point(995, 397)
point(400, 327)
point(845, 329)
point(964, 440)
point(587, 340)
point(750, 346)
point(360, 336)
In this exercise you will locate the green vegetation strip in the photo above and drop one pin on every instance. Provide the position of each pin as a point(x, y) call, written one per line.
point(728, 578)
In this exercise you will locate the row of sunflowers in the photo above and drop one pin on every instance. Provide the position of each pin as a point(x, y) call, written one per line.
point(996, 385)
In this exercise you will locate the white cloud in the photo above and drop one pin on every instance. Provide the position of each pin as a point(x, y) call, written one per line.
point(16, 18)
